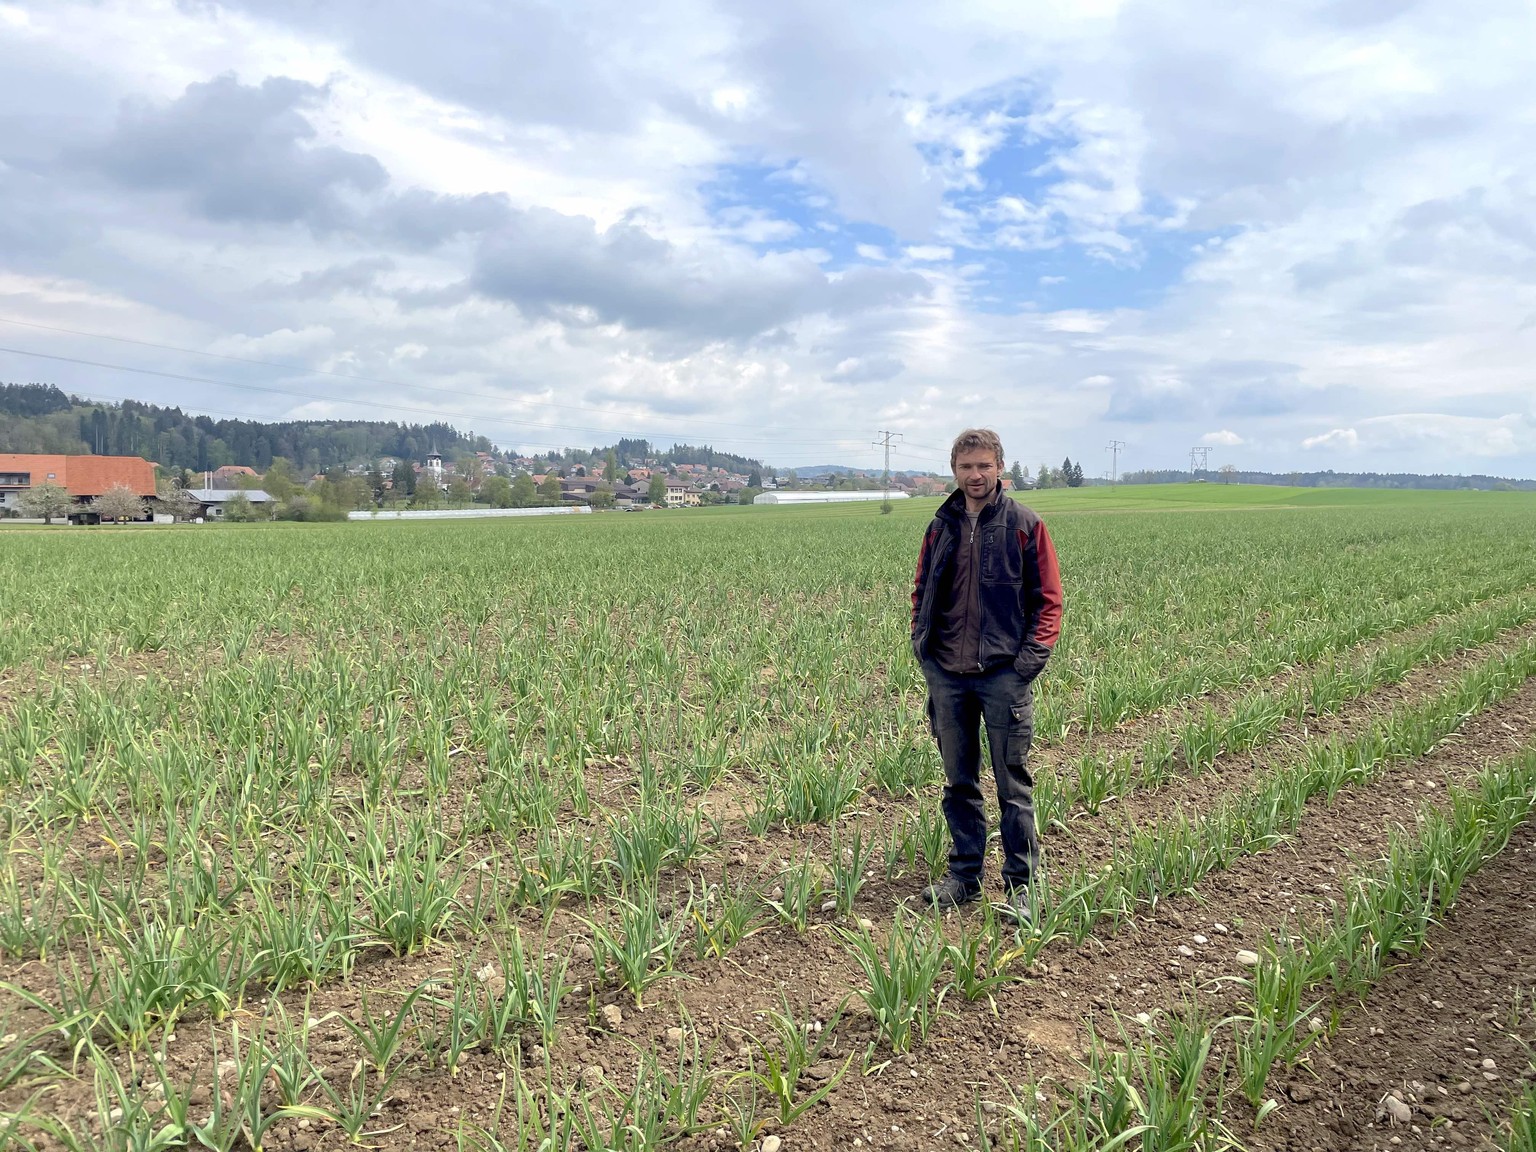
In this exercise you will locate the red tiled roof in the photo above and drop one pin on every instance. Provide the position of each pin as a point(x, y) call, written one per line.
point(84, 476)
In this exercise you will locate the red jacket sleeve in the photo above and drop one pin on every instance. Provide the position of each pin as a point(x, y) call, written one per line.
point(1048, 623)
point(917, 580)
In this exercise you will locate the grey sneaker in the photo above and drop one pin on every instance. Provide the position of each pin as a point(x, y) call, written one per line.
point(951, 892)
point(1014, 907)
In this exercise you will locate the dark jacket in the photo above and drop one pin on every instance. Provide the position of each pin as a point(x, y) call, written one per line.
point(1018, 585)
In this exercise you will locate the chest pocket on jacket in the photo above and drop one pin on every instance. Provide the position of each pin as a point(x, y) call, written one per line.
point(1000, 563)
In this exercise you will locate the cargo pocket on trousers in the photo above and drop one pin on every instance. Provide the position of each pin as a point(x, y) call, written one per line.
point(1021, 733)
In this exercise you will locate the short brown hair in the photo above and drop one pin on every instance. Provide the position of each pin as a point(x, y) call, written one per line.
point(972, 439)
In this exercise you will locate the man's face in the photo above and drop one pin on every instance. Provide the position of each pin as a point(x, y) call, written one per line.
point(976, 472)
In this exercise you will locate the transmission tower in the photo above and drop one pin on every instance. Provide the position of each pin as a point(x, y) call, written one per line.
point(885, 442)
point(1114, 469)
point(1199, 460)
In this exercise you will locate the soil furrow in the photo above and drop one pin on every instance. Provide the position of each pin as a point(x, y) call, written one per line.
point(1042, 1029)
point(1233, 772)
point(1452, 1031)
point(1131, 734)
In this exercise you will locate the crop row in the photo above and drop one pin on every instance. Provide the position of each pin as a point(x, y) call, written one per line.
point(1147, 1084)
point(802, 611)
point(1160, 1082)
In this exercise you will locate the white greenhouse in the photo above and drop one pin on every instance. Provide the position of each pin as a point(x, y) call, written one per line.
point(826, 497)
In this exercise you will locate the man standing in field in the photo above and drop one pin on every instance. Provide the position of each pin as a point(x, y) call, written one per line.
point(986, 610)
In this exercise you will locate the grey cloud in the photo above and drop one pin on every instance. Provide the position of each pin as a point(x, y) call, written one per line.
point(548, 263)
point(356, 276)
point(1232, 138)
point(32, 226)
point(534, 62)
point(688, 405)
point(238, 153)
point(424, 219)
point(1364, 13)
point(828, 106)
point(1223, 388)
point(865, 370)
point(1150, 400)
point(1249, 387)
point(1484, 230)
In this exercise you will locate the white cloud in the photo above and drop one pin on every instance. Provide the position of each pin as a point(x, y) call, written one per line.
point(1225, 438)
point(930, 252)
point(1309, 223)
point(1076, 320)
point(1338, 438)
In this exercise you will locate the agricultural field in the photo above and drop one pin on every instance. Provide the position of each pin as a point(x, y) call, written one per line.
point(606, 833)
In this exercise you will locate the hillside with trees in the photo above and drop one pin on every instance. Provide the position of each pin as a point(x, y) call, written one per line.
point(41, 418)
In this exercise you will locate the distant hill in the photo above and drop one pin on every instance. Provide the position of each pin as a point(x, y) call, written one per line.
point(804, 470)
point(41, 418)
point(1330, 479)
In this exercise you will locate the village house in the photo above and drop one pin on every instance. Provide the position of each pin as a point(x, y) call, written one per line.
point(83, 477)
point(682, 493)
point(229, 476)
point(212, 502)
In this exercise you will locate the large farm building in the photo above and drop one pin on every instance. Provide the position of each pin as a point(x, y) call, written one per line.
point(83, 477)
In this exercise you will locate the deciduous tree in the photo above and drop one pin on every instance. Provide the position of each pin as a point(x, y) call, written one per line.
point(175, 500)
point(496, 491)
point(239, 509)
point(47, 501)
point(118, 502)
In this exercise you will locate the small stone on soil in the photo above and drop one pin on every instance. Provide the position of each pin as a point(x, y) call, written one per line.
point(613, 1016)
point(1397, 1112)
point(772, 1143)
point(1247, 958)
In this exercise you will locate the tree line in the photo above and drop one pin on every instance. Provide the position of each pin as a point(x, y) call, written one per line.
point(42, 418)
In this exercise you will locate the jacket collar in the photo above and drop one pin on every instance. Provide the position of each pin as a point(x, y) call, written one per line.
point(953, 507)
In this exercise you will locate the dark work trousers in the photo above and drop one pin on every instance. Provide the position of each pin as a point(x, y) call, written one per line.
point(958, 705)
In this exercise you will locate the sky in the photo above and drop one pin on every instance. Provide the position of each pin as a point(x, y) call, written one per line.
point(1302, 235)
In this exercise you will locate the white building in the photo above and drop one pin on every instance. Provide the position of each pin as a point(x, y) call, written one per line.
point(211, 501)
